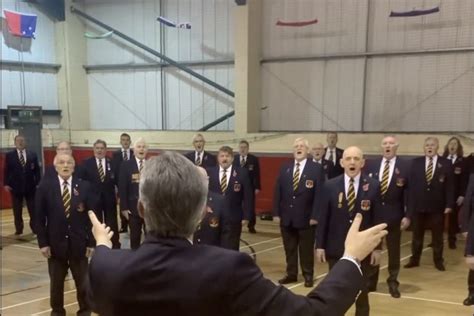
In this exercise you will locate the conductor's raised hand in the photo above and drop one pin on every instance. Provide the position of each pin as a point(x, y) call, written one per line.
point(101, 232)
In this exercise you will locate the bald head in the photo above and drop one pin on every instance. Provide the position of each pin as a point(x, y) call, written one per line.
point(352, 161)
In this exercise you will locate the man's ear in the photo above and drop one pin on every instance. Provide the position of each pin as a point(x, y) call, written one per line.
point(141, 209)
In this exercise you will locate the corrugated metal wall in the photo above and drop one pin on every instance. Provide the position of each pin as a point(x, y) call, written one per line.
point(41, 87)
point(136, 96)
point(386, 92)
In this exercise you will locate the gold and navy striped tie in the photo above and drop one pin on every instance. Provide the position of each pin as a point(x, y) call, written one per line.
point(125, 155)
point(429, 171)
point(351, 197)
point(384, 185)
point(224, 181)
point(66, 199)
point(101, 171)
point(140, 167)
point(198, 160)
point(296, 176)
point(22, 159)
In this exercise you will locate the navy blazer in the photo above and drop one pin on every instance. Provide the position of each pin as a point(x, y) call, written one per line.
point(167, 276)
point(208, 159)
point(210, 228)
point(338, 170)
point(253, 167)
point(67, 237)
point(392, 204)
point(22, 180)
point(436, 196)
point(335, 218)
point(238, 196)
point(128, 186)
point(460, 176)
point(117, 159)
point(104, 190)
point(328, 168)
point(295, 209)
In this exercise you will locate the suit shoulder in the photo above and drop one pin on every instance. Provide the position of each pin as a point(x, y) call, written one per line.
point(330, 183)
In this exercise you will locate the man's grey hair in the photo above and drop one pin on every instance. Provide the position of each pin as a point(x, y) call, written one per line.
point(432, 138)
point(198, 135)
point(174, 194)
point(140, 140)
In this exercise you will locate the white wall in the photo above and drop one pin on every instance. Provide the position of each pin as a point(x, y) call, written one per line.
point(135, 96)
point(425, 92)
point(41, 87)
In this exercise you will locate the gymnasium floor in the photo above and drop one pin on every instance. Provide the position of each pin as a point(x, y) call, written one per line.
point(425, 291)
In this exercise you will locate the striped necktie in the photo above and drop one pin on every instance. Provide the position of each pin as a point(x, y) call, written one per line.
point(140, 166)
point(101, 171)
point(22, 159)
point(429, 171)
point(66, 199)
point(296, 176)
point(351, 195)
point(224, 181)
point(384, 184)
point(242, 161)
point(331, 156)
point(125, 155)
point(198, 159)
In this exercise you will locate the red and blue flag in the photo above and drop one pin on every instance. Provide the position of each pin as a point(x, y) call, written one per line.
point(21, 24)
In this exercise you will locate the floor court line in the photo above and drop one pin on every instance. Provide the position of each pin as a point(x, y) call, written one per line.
point(48, 310)
point(418, 299)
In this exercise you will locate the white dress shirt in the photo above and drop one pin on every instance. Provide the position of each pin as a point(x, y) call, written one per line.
point(138, 162)
point(328, 153)
point(200, 154)
point(347, 180)
point(427, 161)
point(101, 161)
point(390, 171)
point(69, 184)
point(21, 152)
point(127, 151)
point(302, 164)
point(453, 158)
point(221, 173)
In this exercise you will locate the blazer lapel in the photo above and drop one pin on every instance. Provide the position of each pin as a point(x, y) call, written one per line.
point(230, 184)
point(57, 194)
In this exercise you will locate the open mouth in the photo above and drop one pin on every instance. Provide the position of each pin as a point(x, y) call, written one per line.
point(352, 168)
point(299, 152)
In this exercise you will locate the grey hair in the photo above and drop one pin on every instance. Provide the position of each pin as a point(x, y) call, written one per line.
point(195, 136)
point(173, 194)
point(301, 139)
point(432, 138)
point(56, 157)
point(140, 140)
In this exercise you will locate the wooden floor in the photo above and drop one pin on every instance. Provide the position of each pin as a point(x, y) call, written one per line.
point(425, 291)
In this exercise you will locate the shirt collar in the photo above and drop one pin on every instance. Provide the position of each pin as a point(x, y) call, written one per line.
point(347, 178)
point(61, 180)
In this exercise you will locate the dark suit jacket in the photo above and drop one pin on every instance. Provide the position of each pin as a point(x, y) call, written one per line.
point(129, 181)
point(328, 168)
point(105, 191)
point(117, 159)
point(295, 209)
point(238, 196)
point(392, 205)
point(209, 231)
point(338, 170)
point(467, 211)
point(172, 277)
point(253, 167)
point(22, 180)
point(436, 196)
point(67, 237)
point(335, 218)
point(461, 176)
point(208, 159)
